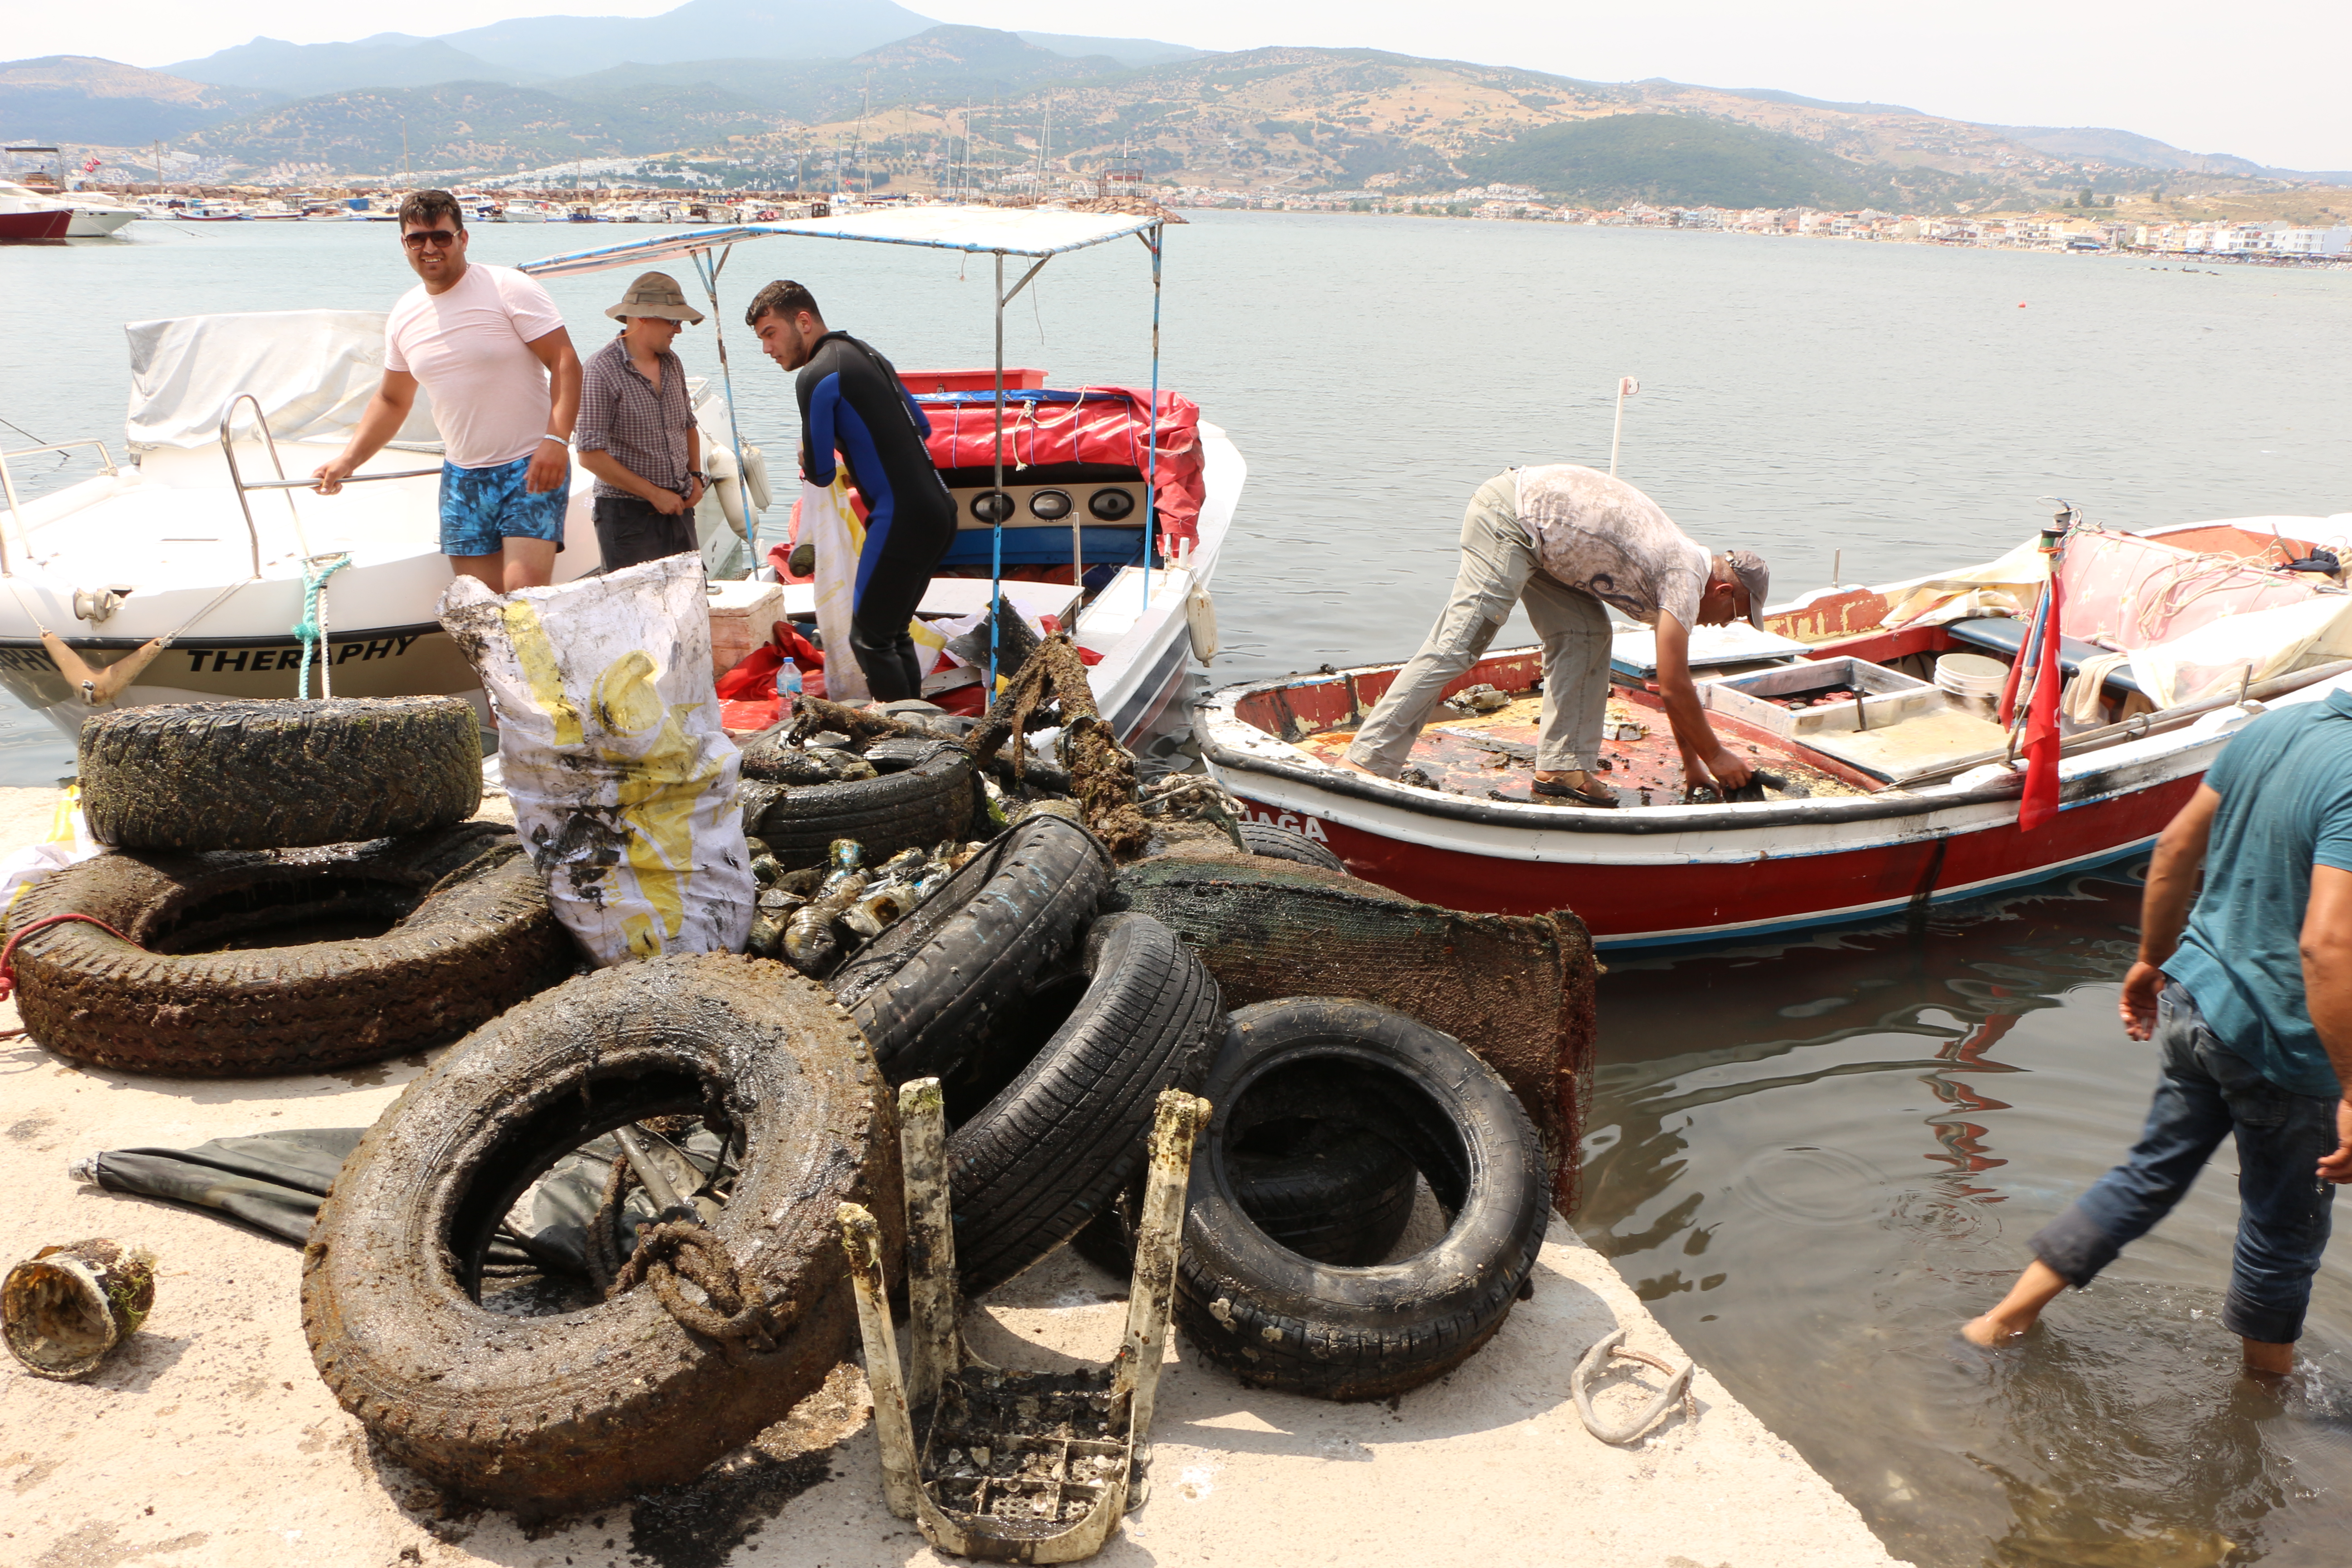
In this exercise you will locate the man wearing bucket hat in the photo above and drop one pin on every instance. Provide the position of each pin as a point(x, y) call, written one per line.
point(1566, 542)
point(637, 432)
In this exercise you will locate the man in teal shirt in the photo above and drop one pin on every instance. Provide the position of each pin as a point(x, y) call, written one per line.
point(2248, 998)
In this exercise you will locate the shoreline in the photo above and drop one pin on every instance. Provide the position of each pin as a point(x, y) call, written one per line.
point(208, 1438)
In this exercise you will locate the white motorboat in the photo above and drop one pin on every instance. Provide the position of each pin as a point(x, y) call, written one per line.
point(201, 552)
point(28, 215)
point(94, 216)
point(1080, 481)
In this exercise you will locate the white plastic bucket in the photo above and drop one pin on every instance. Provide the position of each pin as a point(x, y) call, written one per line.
point(1971, 682)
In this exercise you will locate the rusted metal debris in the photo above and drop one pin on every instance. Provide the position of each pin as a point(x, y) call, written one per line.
point(1013, 1467)
point(65, 1307)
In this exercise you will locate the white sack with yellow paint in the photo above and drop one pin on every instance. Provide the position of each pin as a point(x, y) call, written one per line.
point(609, 740)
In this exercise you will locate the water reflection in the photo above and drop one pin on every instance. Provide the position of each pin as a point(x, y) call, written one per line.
point(1815, 1159)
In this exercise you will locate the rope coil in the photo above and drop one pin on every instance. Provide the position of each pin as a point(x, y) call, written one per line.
point(667, 1251)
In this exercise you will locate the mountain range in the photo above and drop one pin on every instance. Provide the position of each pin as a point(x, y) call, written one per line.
point(754, 89)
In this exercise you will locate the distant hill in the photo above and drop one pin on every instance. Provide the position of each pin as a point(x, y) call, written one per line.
point(298, 70)
point(1679, 160)
point(1134, 53)
point(75, 98)
point(698, 30)
point(1774, 95)
point(2126, 147)
point(949, 63)
point(479, 125)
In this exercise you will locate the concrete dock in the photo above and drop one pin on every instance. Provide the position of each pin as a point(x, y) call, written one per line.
point(210, 1439)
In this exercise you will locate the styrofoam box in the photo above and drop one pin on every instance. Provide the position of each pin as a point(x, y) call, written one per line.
point(743, 614)
point(1889, 696)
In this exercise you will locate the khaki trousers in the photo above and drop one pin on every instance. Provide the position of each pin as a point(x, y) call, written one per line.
point(1498, 569)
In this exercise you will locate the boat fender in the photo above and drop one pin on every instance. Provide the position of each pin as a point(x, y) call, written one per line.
point(1201, 621)
point(755, 480)
point(726, 488)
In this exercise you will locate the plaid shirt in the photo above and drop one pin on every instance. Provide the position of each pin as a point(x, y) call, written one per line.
point(621, 412)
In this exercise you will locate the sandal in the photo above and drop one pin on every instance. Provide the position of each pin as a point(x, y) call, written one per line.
point(1569, 794)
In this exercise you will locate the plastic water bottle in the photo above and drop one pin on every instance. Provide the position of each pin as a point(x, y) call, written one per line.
point(788, 679)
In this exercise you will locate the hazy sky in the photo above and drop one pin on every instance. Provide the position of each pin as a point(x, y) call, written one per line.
point(2263, 79)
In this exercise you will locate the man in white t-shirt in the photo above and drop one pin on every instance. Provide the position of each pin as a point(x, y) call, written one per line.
point(490, 346)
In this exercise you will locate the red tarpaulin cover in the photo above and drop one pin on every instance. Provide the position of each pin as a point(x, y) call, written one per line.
point(1110, 427)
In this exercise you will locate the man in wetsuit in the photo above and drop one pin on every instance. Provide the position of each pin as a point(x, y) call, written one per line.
point(851, 402)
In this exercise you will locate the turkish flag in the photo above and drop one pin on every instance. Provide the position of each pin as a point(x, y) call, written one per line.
point(2040, 801)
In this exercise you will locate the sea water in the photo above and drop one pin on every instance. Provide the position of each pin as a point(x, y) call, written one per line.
point(1813, 1160)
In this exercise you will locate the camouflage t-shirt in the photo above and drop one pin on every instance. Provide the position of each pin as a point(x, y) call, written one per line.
point(1603, 536)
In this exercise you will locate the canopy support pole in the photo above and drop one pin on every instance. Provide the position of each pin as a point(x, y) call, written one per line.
point(1152, 424)
point(996, 543)
point(708, 270)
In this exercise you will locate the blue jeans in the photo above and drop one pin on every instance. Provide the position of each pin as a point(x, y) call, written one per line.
point(2207, 1092)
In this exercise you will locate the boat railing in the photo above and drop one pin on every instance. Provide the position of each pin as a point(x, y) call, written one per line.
point(243, 487)
point(8, 487)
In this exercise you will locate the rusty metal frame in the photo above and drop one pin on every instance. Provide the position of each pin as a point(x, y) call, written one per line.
point(944, 1374)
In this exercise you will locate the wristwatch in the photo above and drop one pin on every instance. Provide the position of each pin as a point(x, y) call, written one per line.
point(698, 476)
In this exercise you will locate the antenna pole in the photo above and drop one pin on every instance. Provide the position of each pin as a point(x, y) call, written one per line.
point(1626, 387)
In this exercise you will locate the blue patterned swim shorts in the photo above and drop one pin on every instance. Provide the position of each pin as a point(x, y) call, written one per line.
point(481, 509)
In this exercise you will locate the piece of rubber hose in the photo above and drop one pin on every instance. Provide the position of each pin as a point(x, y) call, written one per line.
point(1589, 1367)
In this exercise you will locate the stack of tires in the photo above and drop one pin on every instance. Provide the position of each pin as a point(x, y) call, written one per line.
point(1053, 1026)
point(296, 887)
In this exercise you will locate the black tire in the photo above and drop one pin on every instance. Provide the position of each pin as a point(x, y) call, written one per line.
point(914, 807)
point(470, 935)
point(549, 1415)
point(1335, 1194)
point(1286, 843)
point(1054, 1148)
point(927, 990)
point(1277, 1320)
point(261, 774)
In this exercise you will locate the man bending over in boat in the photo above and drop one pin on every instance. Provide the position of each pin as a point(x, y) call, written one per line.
point(490, 346)
point(1564, 540)
point(852, 401)
point(2246, 988)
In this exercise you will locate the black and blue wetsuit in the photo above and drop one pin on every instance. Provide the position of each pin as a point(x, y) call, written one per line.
point(853, 401)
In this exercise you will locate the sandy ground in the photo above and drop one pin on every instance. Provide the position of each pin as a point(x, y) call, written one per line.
point(208, 1438)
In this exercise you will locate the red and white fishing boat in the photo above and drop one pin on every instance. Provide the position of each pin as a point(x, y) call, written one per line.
point(1852, 694)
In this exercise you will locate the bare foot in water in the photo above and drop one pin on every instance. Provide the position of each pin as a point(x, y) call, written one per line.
point(2019, 1310)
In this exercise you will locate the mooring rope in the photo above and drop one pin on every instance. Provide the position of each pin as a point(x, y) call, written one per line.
point(311, 628)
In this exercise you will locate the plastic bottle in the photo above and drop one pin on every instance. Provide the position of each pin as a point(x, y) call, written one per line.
point(788, 679)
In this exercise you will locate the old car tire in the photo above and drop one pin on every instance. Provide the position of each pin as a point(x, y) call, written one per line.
point(549, 1414)
point(474, 936)
point(912, 807)
point(261, 774)
point(1337, 1194)
point(925, 990)
point(1277, 1320)
point(1054, 1148)
point(1288, 844)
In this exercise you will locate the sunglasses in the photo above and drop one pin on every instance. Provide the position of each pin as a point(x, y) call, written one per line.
point(438, 239)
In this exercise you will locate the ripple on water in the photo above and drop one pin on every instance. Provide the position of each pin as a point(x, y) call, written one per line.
point(1811, 1186)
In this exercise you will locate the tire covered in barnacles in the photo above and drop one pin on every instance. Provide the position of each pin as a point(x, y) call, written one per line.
point(199, 988)
point(277, 774)
point(548, 1415)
